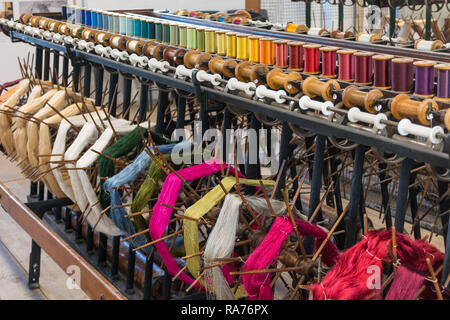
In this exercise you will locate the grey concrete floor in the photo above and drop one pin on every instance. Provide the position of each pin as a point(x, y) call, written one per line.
point(15, 245)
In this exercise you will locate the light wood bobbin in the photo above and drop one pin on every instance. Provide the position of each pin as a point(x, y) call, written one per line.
point(447, 119)
point(353, 97)
point(247, 72)
point(197, 59)
point(428, 45)
point(277, 79)
point(119, 42)
point(402, 107)
point(135, 46)
point(226, 67)
point(313, 87)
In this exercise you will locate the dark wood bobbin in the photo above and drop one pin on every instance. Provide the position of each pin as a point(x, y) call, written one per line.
point(247, 72)
point(173, 55)
point(353, 97)
point(226, 67)
point(337, 34)
point(402, 106)
point(135, 46)
point(313, 87)
point(277, 79)
point(197, 59)
point(149, 48)
point(158, 51)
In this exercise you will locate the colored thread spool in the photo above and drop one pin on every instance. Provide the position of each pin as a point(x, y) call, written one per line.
point(151, 30)
point(197, 59)
point(137, 28)
point(296, 28)
point(144, 28)
point(210, 41)
point(422, 44)
point(191, 38)
point(173, 55)
point(242, 48)
point(317, 31)
point(277, 79)
point(88, 18)
point(116, 22)
point(254, 48)
point(382, 71)
point(174, 35)
point(346, 69)
point(363, 67)
point(110, 21)
point(88, 34)
point(424, 84)
point(231, 44)
point(266, 51)
point(100, 19)
point(245, 71)
point(158, 31)
point(443, 82)
point(53, 26)
point(226, 67)
point(353, 97)
point(94, 18)
point(76, 31)
point(281, 53)
point(183, 36)
point(44, 23)
point(105, 21)
point(313, 87)
point(295, 55)
point(135, 46)
point(83, 16)
point(367, 37)
point(221, 43)
point(329, 62)
point(312, 58)
point(201, 39)
point(337, 34)
point(402, 75)
point(130, 26)
point(403, 107)
point(166, 32)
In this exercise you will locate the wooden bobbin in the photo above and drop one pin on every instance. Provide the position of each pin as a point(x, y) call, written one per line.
point(353, 97)
point(402, 107)
point(44, 23)
point(64, 28)
point(53, 26)
point(241, 13)
point(277, 79)
point(135, 46)
point(173, 55)
point(313, 87)
point(89, 34)
point(25, 18)
point(222, 66)
point(296, 28)
point(366, 37)
point(148, 49)
point(197, 59)
point(119, 42)
point(75, 31)
point(34, 21)
point(247, 72)
point(104, 39)
point(423, 44)
point(158, 51)
point(447, 119)
point(337, 34)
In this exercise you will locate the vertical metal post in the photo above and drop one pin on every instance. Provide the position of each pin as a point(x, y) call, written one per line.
point(163, 102)
point(130, 270)
point(402, 194)
point(98, 78)
point(392, 16)
point(143, 103)
point(355, 197)
point(308, 13)
point(316, 182)
point(102, 245)
point(428, 16)
point(148, 278)
point(46, 64)
point(112, 98)
point(78, 229)
point(38, 63)
point(253, 169)
point(385, 194)
point(167, 284)
point(55, 67)
point(126, 97)
point(226, 126)
point(286, 134)
point(115, 257)
point(65, 73)
point(444, 206)
point(34, 266)
point(181, 112)
point(89, 240)
point(413, 192)
point(334, 165)
point(341, 16)
point(67, 221)
point(87, 80)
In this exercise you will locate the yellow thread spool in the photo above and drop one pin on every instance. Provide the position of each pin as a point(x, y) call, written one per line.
point(210, 41)
point(254, 48)
point(231, 44)
point(242, 47)
point(221, 42)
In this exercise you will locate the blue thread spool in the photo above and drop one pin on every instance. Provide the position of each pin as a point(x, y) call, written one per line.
point(105, 21)
point(144, 29)
point(110, 21)
point(64, 12)
point(136, 27)
point(88, 17)
point(122, 24)
point(151, 29)
point(94, 18)
point(130, 26)
point(83, 16)
point(116, 20)
point(100, 19)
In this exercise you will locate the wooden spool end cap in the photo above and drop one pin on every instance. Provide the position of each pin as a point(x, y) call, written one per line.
point(238, 71)
point(258, 74)
point(158, 51)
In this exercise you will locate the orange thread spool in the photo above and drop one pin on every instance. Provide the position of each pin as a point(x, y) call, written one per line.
point(266, 50)
point(254, 48)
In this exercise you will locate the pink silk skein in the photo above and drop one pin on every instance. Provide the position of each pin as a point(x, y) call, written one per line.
point(169, 195)
point(348, 279)
point(406, 285)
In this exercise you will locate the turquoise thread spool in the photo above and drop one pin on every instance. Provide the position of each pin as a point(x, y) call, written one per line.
point(136, 27)
point(130, 26)
point(105, 21)
point(100, 19)
point(151, 29)
point(110, 22)
point(116, 23)
point(122, 24)
point(144, 28)
point(94, 19)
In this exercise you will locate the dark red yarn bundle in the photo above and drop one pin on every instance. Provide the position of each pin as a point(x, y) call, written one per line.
point(349, 278)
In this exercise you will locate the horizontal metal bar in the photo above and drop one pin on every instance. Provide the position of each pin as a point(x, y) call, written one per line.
point(91, 281)
point(350, 44)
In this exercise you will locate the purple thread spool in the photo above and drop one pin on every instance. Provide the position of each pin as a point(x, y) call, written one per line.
point(424, 79)
point(402, 75)
point(443, 82)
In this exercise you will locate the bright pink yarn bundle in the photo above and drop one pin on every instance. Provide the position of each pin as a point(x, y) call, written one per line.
point(348, 279)
point(257, 285)
point(169, 195)
point(406, 284)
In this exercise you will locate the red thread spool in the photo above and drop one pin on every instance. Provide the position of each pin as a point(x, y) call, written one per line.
point(402, 75)
point(363, 67)
point(281, 53)
point(329, 62)
point(346, 70)
point(295, 55)
point(312, 58)
point(382, 71)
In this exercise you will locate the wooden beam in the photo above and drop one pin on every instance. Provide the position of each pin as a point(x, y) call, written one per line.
point(253, 5)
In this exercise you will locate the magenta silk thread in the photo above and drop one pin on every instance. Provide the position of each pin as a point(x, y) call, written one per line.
point(161, 214)
point(406, 285)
